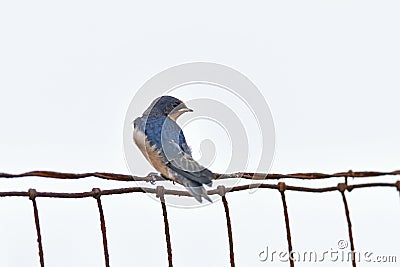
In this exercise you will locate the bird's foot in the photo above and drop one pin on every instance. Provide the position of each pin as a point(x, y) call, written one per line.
point(152, 177)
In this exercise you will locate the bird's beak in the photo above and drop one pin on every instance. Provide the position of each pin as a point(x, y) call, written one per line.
point(179, 111)
point(182, 108)
point(186, 110)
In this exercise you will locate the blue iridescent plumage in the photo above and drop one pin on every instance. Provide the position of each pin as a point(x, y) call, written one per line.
point(163, 143)
point(160, 130)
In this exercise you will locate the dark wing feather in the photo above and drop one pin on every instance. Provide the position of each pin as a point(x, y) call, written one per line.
point(199, 174)
point(179, 157)
point(185, 165)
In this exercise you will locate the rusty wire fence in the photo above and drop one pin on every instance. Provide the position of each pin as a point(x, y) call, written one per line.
point(160, 191)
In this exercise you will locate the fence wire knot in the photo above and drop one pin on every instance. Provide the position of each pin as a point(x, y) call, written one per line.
point(96, 193)
point(160, 192)
point(221, 190)
point(32, 193)
point(342, 187)
point(398, 185)
point(281, 187)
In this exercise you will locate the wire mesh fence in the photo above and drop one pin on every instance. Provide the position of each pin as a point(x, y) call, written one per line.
point(221, 190)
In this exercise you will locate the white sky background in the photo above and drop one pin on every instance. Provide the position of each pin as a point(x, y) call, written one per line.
point(329, 70)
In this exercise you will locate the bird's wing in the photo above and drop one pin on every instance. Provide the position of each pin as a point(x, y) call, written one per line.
point(185, 165)
point(179, 157)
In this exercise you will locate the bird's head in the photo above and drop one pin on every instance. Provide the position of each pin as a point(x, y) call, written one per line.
point(167, 106)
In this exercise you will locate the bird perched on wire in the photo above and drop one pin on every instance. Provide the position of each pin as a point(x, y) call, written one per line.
point(163, 143)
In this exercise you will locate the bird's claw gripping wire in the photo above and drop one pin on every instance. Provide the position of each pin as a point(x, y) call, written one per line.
point(152, 177)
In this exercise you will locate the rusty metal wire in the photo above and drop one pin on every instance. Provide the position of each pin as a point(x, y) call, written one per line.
point(243, 175)
point(186, 193)
point(282, 188)
point(160, 194)
point(222, 192)
point(96, 193)
point(342, 189)
point(32, 197)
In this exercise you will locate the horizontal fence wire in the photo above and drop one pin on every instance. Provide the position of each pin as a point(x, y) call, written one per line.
point(243, 175)
point(160, 191)
point(126, 190)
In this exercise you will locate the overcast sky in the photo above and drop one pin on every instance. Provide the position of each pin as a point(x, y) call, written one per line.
point(329, 71)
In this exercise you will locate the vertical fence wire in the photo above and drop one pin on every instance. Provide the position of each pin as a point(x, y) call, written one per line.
point(222, 192)
point(282, 188)
point(342, 188)
point(160, 194)
point(96, 195)
point(32, 197)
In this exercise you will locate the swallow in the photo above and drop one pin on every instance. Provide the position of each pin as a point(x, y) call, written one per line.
point(162, 142)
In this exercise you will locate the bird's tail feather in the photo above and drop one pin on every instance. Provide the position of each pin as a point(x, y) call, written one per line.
point(196, 190)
